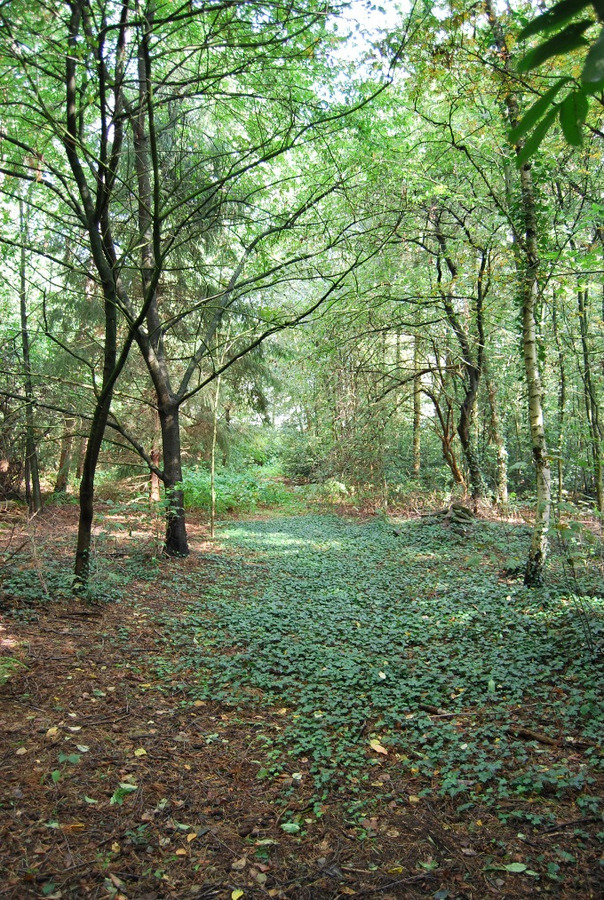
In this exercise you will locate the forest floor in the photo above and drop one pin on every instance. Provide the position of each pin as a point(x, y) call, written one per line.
point(307, 707)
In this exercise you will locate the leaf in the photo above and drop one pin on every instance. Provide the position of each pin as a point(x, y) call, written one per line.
point(290, 827)
point(90, 800)
point(573, 111)
point(569, 39)
point(515, 867)
point(82, 748)
point(72, 758)
point(557, 15)
point(55, 775)
point(191, 837)
point(52, 732)
point(128, 787)
point(236, 894)
point(593, 70)
point(21, 751)
point(140, 752)
point(534, 113)
point(533, 142)
point(181, 851)
point(375, 745)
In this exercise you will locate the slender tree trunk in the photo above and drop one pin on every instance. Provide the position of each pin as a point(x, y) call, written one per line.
point(176, 534)
point(81, 456)
point(501, 478)
point(213, 459)
point(417, 406)
point(526, 247)
point(154, 481)
point(561, 400)
point(65, 457)
point(93, 446)
point(34, 496)
point(592, 408)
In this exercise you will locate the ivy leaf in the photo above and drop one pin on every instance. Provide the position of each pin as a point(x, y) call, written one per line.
point(567, 40)
point(534, 113)
point(593, 70)
point(557, 15)
point(573, 111)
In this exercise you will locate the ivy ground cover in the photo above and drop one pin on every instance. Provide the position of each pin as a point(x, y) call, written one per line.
point(379, 643)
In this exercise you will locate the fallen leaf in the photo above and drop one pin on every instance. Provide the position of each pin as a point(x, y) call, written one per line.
point(21, 751)
point(413, 799)
point(375, 745)
point(191, 837)
point(140, 752)
point(236, 894)
point(181, 851)
point(239, 864)
point(52, 732)
point(515, 867)
point(115, 847)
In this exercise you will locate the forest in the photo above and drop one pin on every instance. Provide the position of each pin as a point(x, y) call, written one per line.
point(301, 449)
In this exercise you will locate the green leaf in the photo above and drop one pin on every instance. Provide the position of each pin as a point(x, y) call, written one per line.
point(290, 828)
point(515, 867)
point(534, 113)
point(593, 70)
point(558, 14)
point(533, 142)
point(56, 775)
point(573, 111)
point(569, 39)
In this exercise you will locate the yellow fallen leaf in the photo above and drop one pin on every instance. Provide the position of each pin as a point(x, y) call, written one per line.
point(347, 890)
point(140, 752)
point(413, 799)
point(199, 703)
point(52, 732)
point(375, 745)
point(115, 847)
point(395, 870)
point(236, 894)
point(191, 837)
point(21, 751)
point(181, 851)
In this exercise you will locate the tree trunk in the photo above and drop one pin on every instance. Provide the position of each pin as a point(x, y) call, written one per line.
point(34, 495)
point(176, 533)
point(501, 478)
point(561, 400)
point(527, 260)
point(417, 406)
point(592, 407)
point(154, 483)
point(65, 457)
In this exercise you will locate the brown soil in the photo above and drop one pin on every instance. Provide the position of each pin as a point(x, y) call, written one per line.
point(199, 823)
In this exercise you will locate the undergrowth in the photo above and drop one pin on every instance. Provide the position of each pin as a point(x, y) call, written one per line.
point(413, 642)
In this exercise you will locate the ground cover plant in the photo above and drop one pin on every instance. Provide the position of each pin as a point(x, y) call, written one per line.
point(310, 706)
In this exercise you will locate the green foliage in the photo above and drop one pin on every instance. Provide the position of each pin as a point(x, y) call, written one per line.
point(361, 634)
point(238, 491)
point(572, 110)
